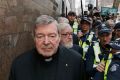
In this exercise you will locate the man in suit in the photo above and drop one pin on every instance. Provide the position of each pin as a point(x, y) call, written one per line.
point(48, 60)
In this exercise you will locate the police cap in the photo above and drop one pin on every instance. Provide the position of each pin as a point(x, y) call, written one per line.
point(115, 44)
point(87, 19)
point(104, 29)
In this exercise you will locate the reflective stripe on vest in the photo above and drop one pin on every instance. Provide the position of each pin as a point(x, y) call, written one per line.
point(85, 46)
point(97, 51)
point(85, 49)
point(90, 37)
point(107, 65)
point(80, 43)
point(75, 27)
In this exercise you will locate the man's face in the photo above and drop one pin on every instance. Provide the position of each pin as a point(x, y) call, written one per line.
point(71, 18)
point(66, 37)
point(85, 26)
point(117, 33)
point(47, 39)
point(105, 38)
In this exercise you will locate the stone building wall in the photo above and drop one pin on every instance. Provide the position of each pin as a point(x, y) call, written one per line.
point(16, 21)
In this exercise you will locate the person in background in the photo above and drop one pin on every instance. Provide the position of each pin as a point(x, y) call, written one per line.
point(112, 67)
point(117, 18)
point(97, 27)
point(117, 30)
point(100, 53)
point(97, 48)
point(65, 20)
point(85, 35)
point(62, 20)
point(111, 24)
point(48, 60)
point(73, 21)
point(67, 37)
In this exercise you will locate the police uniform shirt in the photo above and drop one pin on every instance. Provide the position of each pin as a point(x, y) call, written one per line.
point(90, 56)
point(114, 68)
point(85, 36)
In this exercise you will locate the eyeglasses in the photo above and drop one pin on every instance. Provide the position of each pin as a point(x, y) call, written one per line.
point(67, 34)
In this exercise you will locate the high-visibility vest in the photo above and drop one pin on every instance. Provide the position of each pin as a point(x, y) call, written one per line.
point(75, 27)
point(107, 65)
point(97, 51)
point(84, 45)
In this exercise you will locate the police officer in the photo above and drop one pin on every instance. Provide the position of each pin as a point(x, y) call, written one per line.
point(112, 68)
point(110, 65)
point(86, 36)
point(97, 48)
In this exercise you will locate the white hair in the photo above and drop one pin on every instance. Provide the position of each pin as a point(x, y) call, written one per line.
point(44, 20)
point(63, 20)
point(62, 26)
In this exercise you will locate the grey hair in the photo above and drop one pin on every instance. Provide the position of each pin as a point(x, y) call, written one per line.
point(63, 20)
point(44, 20)
point(62, 26)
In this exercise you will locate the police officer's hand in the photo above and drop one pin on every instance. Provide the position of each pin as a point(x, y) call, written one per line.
point(79, 34)
point(101, 67)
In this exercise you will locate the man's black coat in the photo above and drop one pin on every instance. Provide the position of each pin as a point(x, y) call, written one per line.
point(67, 65)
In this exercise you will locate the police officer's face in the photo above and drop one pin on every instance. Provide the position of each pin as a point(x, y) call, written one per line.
point(47, 39)
point(105, 38)
point(85, 26)
point(66, 37)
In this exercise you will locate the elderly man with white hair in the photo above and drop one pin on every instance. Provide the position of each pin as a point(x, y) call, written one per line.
point(67, 37)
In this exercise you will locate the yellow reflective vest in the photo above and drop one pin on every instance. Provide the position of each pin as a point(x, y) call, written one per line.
point(97, 51)
point(75, 27)
point(107, 65)
point(84, 45)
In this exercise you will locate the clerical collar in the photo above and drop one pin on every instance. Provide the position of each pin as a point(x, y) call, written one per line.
point(48, 59)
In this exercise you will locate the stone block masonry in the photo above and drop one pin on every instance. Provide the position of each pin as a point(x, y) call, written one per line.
point(16, 24)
